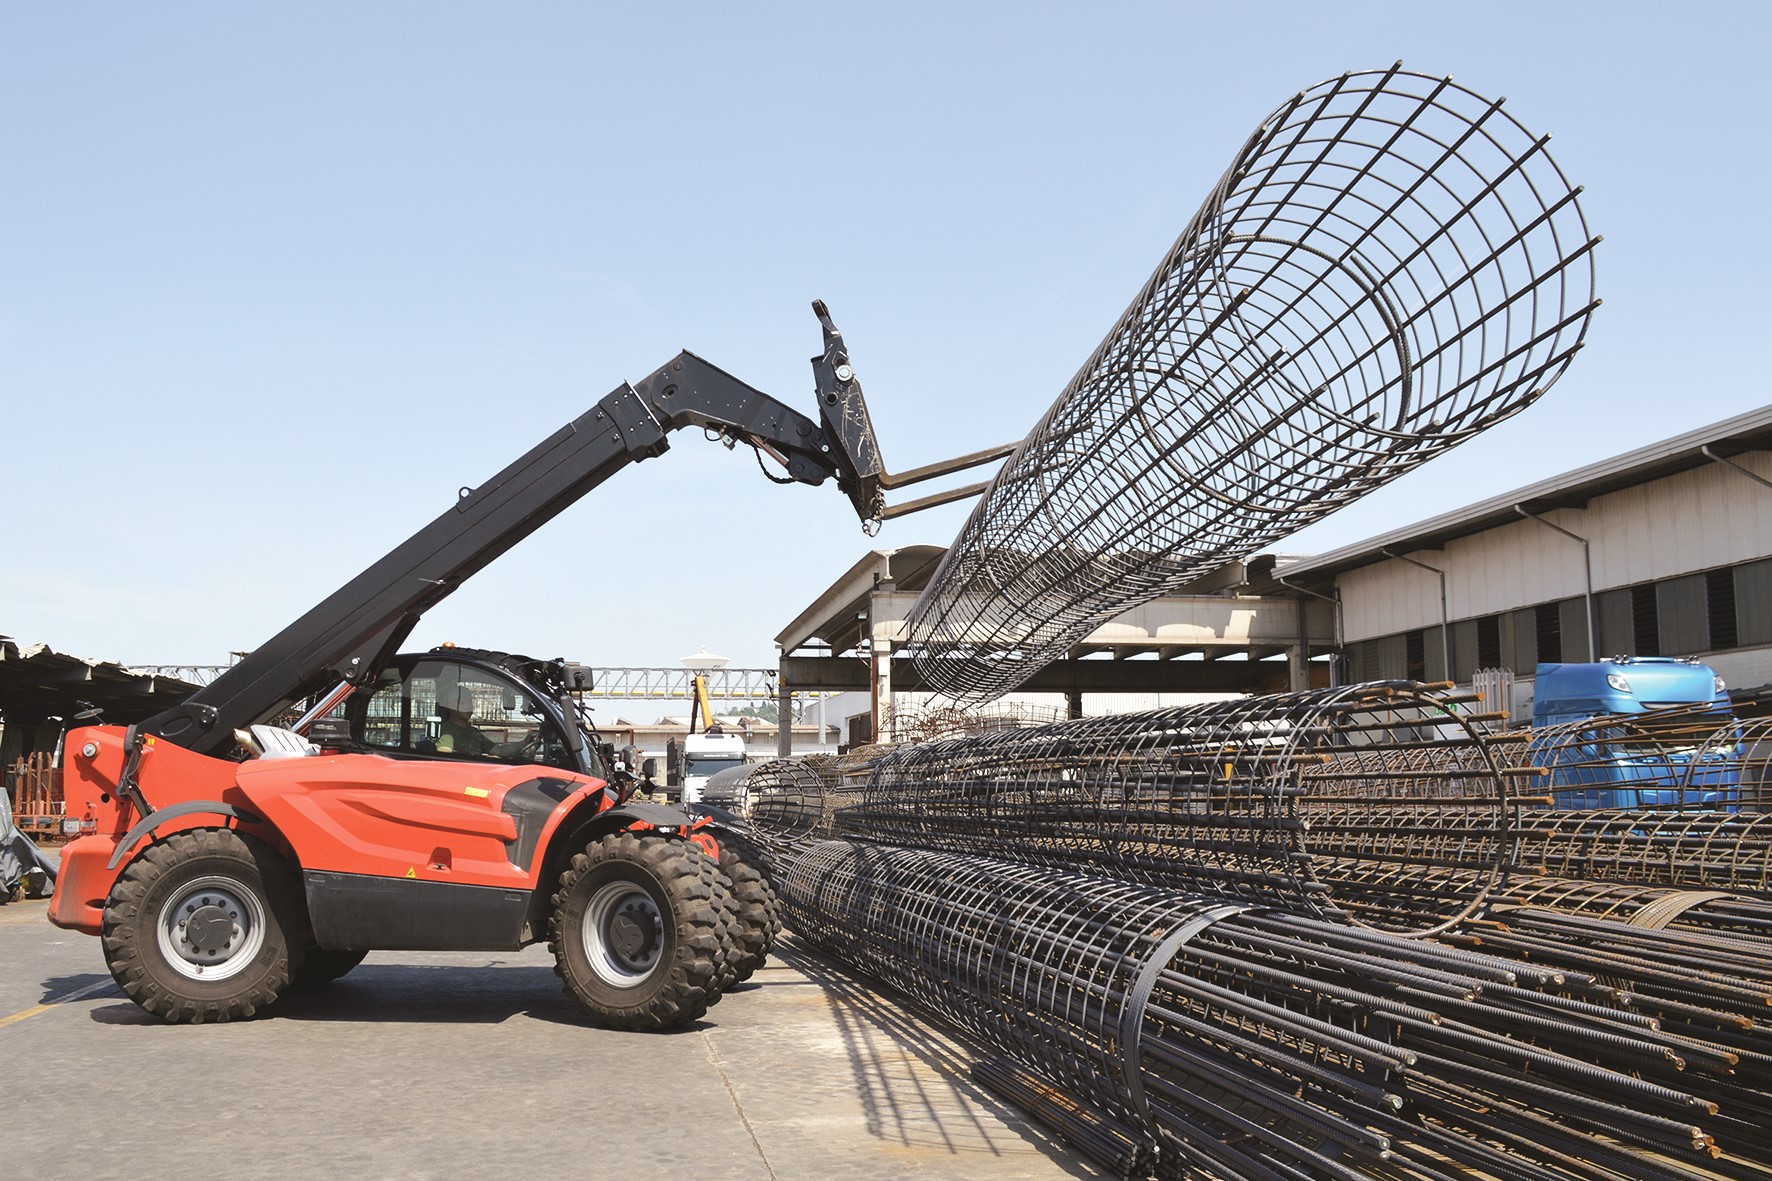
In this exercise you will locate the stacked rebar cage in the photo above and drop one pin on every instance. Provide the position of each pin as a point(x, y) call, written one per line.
point(1341, 934)
point(1178, 920)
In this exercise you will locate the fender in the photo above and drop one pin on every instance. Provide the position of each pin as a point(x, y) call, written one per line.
point(722, 817)
point(574, 831)
point(154, 820)
point(642, 814)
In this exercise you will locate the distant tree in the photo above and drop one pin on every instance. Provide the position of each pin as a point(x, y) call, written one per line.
point(767, 713)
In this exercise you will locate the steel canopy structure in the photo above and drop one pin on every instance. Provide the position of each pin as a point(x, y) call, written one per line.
point(1391, 265)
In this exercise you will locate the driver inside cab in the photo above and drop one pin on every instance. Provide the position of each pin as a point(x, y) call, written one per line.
point(457, 735)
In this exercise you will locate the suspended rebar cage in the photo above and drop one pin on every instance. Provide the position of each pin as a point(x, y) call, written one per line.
point(1236, 798)
point(1392, 264)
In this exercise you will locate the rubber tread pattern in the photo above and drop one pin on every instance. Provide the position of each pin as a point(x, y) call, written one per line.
point(128, 932)
point(758, 907)
point(687, 980)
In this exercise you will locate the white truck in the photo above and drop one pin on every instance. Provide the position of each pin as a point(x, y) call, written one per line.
point(706, 755)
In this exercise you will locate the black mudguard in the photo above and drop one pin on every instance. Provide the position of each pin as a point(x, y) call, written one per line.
point(156, 818)
point(662, 817)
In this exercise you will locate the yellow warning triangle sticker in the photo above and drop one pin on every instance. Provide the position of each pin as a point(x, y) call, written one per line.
point(411, 872)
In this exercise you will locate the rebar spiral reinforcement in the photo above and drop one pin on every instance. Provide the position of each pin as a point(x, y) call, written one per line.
point(1248, 1043)
point(1391, 265)
point(1227, 798)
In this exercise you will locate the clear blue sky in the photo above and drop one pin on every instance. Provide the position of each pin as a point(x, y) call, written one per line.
point(275, 280)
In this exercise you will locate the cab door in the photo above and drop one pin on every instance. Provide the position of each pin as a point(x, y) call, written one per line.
point(435, 707)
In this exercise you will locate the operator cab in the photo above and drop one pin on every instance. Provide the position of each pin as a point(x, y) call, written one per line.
point(484, 707)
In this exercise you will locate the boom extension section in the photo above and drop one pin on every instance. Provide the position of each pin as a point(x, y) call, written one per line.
point(356, 629)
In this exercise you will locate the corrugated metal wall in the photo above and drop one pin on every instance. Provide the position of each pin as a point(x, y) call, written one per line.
point(1690, 522)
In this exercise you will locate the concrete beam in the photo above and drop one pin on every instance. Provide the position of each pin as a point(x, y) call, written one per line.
point(1067, 676)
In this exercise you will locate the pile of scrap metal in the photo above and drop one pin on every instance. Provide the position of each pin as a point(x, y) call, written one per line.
point(24, 871)
point(1176, 941)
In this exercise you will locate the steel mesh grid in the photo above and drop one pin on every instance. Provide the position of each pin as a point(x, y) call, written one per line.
point(1265, 1039)
point(1222, 798)
point(1391, 264)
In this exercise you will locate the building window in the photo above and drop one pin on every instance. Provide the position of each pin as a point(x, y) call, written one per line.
point(1753, 603)
point(1489, 642)
point(1371, 668)
point(1681, 609)
point(1719, 608)
point(1520, 641)
point(1415, 655)
point(1645, 621)
point(1550, 632)
point(1615, 622)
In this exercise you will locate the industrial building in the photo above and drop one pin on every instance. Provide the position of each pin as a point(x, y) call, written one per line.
point(1662, 551)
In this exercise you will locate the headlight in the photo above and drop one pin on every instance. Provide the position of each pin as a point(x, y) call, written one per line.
point(1720, 685)
point(1618, 682)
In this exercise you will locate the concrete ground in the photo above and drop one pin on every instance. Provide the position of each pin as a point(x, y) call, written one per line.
point(442, 1066)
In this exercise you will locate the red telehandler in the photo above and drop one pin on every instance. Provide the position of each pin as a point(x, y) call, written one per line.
point(225, 860)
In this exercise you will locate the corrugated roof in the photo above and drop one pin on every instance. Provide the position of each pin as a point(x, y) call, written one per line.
point(1732, 436)
point(38, 682)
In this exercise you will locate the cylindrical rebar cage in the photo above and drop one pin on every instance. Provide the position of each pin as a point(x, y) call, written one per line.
point(1391, 265)
point(1234, 798)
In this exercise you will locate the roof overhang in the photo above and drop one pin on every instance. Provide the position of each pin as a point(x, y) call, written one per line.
point(1694, 449)
point(37, 683)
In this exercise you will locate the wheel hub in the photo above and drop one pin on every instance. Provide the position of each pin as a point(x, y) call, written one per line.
point(624, 933)
point(211, 928)
point(634, 934)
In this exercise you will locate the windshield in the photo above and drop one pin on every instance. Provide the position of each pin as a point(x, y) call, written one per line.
point(710, 764)
point(438, 708)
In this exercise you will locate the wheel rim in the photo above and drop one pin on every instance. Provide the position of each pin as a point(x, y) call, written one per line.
point(623, 934)
point(211, 928)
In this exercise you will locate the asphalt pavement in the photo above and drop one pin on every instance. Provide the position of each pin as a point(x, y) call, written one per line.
point(472, 1065)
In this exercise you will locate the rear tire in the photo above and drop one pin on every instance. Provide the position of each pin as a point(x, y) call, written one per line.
point(637, 934)
point(197, 927)
point(759, 910)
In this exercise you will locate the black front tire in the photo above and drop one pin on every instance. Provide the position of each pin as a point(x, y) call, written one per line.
point(759, 909)
point(198, 926)
point(637, 931)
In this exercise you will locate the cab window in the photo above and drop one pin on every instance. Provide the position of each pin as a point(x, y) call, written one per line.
point(440, 709)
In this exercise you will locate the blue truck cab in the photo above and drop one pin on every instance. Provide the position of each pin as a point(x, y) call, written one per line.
point(1614, 771)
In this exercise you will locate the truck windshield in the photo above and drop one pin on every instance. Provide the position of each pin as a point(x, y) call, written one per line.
point(710, 764)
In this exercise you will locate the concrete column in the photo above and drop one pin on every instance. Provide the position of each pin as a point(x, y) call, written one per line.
point(784, 726)
point(882, 686)
point(1073, 703)
point(1298, 669)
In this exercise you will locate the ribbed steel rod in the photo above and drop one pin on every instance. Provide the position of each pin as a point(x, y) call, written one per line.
point(1256, 1044)
point(1216, 798)
point(1391, 264)
point(1701, 850)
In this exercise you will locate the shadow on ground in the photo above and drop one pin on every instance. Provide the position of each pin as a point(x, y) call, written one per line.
point(937, 1106)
